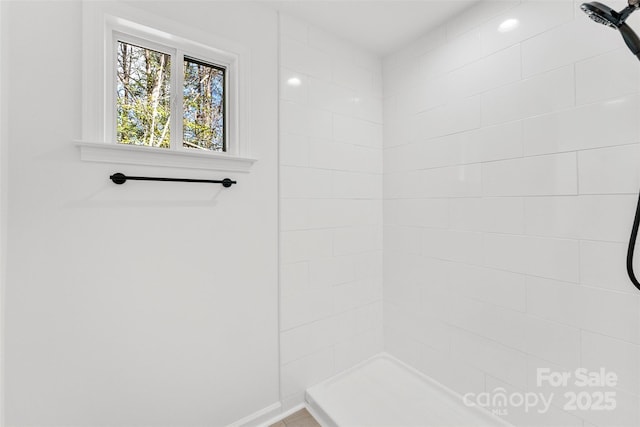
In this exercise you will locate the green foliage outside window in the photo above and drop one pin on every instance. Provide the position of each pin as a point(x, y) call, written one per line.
point(203, 106)
point(143, 96)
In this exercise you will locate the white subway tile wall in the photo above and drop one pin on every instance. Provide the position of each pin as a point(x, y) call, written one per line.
point(331, 207)
point(510, 180)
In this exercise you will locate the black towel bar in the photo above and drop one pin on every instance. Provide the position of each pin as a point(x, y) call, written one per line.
point(120, 178)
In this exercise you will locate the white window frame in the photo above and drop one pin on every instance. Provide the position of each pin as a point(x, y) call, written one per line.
point(103, 25)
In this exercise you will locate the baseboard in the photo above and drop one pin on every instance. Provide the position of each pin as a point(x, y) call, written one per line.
point(281, 415)
point(259, 418)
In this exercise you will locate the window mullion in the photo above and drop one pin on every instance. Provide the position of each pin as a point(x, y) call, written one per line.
point(177, 100)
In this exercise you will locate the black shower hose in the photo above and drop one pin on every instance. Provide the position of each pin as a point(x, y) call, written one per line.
point(632, 246)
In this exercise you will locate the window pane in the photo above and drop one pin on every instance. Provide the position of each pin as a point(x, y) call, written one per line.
point(203, 115)
point(143, 105)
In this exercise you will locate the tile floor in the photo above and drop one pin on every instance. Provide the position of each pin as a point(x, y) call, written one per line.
point(302, 418)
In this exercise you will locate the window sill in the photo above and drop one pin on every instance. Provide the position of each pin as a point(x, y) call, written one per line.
point(149, 156)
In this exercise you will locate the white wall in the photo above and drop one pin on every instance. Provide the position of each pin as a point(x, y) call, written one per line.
point(331, 207)
point(149, 303)
point(510, 181)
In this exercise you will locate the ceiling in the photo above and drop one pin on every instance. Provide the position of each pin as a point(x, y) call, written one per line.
point(379, 26)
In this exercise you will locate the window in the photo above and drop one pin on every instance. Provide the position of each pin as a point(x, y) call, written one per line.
point(170, 93)
point(144, 104)
point(158, 93)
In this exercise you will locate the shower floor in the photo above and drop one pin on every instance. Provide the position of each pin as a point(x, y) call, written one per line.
point(384, 392)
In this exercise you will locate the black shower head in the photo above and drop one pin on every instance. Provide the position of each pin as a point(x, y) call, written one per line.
point(603, 14)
